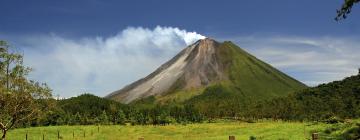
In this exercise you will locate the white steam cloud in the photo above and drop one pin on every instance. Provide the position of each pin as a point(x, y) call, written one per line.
point(101, 65)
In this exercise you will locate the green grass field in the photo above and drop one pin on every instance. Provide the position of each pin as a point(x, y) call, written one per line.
point(205, 131)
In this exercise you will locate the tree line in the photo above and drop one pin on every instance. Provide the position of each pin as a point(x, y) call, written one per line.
point(88, 109)
point(339, 99)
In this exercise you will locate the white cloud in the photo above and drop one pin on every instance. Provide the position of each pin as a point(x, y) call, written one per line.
point(101, 65)
point(311, 60)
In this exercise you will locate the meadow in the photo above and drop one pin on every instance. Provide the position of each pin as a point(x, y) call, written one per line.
point(266, 130)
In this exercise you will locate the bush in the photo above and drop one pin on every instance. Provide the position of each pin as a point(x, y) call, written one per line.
point(333, 120)
point(352, 134)
point(252, 138)
point(330, 130)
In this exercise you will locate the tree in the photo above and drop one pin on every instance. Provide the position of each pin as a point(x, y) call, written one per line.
point(113, 113)
point(104, 119)
point(345, 9)
point(77, 118)
point(19, 97)
point(121, 117)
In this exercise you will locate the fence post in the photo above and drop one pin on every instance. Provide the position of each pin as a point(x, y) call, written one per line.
point(84, 133)
point(43, 136)
point(141, 138)
point(73, 134)
point(26, 135)
point(58, 134)
point(315, 136)
point(98, 129)
point(231, 137)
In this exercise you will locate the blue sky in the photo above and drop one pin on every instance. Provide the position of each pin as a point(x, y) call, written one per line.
point(100, 46)
point(209, 17)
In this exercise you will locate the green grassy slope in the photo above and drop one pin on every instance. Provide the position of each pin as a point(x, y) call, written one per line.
point(247, 78)
point(253, 77)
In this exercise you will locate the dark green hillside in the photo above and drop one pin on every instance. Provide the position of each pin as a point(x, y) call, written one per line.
point(338, 99)
point(218, 101)
point(84, 109)
point(253, 77)
point(89, 105)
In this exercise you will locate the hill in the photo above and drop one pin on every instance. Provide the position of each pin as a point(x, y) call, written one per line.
point(88, 104)
point(84, 109)
point(208, 63)
point(338, 99)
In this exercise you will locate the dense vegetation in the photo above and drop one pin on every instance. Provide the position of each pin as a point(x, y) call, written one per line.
point(327, 102)
point(345, 9)
point(88, 109)
point(339, 99)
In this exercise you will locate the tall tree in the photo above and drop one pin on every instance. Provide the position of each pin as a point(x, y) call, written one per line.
point(345, 9)
point(104, 119)
point(121, 117)
point(19, 97)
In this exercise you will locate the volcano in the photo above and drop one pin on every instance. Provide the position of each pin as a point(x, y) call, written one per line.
point(203, 64)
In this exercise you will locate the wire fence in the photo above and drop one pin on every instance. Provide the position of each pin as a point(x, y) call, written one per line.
point(60, 135)
point(83, 134)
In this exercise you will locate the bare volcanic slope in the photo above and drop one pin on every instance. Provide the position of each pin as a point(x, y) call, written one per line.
point(208, 62)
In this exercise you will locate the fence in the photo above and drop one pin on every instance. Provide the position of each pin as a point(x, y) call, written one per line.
point(82, 133)
point(314, 136)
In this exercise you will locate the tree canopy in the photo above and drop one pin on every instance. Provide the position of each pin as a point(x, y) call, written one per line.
point(19, 97)
point(345, 9)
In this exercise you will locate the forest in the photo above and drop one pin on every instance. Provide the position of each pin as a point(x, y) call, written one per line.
point(330, 102)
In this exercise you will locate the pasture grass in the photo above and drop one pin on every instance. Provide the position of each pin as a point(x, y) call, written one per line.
point(266, 130)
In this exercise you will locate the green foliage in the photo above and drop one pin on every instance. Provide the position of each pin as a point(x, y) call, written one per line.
point(252, 138)
point(329, 102)
point(121, 117)
point(92, 109)
point(345, 9)
point(339, 98)
point(334, 120)
point(88, 105)
point(88, 109)
point(217, 101)
point(104, 119)
point(77, 119)
point(21, 100)
point(349, 130)
point(352, 134)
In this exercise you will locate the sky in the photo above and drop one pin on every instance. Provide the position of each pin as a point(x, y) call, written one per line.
point(99, 46)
